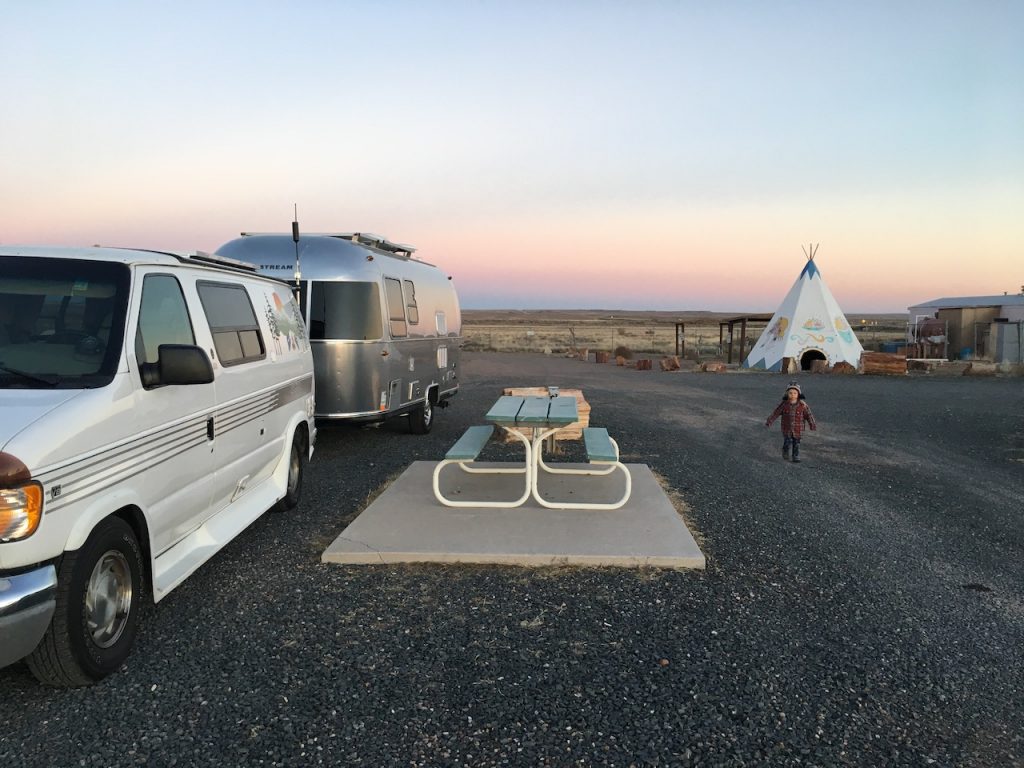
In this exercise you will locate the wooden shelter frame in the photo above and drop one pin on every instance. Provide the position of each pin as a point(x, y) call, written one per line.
point(743, 321)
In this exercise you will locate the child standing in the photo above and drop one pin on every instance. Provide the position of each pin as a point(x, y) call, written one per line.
point(794, 412)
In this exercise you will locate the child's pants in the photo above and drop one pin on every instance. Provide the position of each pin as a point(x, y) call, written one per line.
point(791, 443)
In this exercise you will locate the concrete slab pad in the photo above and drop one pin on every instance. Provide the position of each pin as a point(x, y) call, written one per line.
point(406, 524)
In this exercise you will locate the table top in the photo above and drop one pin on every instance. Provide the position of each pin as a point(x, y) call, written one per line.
point(513, 411)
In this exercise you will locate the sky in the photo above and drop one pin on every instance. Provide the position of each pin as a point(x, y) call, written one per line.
point(550, 154)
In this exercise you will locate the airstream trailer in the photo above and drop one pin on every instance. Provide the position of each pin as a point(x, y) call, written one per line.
point(385, 328)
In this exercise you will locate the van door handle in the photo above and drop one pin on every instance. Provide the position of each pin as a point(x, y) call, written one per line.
point(209, 428)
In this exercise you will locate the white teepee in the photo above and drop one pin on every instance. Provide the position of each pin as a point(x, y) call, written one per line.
point(808, 325)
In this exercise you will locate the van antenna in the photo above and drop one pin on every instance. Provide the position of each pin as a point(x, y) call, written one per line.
point(295, 239)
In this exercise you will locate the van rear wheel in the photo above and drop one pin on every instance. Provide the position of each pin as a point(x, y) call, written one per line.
point(99, 591)
point(421, 418)
point(296, 470)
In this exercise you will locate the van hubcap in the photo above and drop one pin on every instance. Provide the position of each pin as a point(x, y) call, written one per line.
point(108, 599)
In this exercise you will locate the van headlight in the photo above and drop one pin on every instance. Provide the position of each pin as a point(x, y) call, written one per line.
point(21, 500)
point(21, 509)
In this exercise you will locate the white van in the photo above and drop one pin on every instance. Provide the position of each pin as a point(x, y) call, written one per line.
point(151, 407)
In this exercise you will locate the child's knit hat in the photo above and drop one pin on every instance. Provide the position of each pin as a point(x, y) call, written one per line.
point(793, 385)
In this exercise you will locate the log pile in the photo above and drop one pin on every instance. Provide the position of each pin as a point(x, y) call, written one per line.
point(843, 367)
point(644, 365)
point(573, 431)
point(600, 357)
point(670, 363)
point(883, 363)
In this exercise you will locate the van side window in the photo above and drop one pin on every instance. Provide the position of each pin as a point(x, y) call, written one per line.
point(411, 310)
point(236, 334)
point(442, 323)
point(396, 307)
point(163, 318)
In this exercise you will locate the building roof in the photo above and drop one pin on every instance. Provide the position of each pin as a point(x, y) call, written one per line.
point(1002, 300)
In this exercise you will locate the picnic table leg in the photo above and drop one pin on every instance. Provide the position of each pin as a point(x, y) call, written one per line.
point(527, 471)
point(612, 466)
point(562, 471)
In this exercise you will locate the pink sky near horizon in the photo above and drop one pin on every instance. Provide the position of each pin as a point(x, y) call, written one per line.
point(557, 155)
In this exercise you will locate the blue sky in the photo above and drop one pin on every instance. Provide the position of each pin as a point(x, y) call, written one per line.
point(559, 154)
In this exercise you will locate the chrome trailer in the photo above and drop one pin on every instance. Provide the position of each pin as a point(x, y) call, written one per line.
point(385, 328)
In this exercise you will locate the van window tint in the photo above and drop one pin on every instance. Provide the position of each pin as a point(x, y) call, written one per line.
point(412, 311)
point(236, 334)
point(163, 318)
point(396, 307)
point(344, 311)
point(61, 322)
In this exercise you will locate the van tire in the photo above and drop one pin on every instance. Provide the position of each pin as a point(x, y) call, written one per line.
point(99, 595)
point(296, 471)
point(421, 418)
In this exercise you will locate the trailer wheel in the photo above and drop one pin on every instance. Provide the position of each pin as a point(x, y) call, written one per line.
point(421, 418)
point(99, 591)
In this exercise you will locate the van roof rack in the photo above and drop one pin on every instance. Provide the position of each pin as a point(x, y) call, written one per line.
point(223, 262)
point(363, 238)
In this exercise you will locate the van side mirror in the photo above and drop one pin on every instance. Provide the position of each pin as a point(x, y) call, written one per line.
point(177, 364)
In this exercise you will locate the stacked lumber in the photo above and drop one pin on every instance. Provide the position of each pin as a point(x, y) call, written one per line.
point(600, 357)
point(883, 363)
point(573, 431)
point(644, 365)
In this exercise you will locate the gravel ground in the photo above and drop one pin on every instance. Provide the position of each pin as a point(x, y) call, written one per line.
point(865, 607)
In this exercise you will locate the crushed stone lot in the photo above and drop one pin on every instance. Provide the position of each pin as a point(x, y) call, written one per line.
point(863, 608)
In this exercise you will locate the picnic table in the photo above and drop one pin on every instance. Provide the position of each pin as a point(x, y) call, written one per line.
point(544, 416)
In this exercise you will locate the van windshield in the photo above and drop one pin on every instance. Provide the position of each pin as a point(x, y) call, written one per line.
point(61, 322)
point(345, 311)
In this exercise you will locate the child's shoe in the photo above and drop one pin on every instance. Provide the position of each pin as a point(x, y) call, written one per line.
point(785, 454)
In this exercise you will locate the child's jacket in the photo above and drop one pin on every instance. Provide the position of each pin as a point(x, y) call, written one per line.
point(793, 417)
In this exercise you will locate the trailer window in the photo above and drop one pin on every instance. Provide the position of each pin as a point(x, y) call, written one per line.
point(411, 310)
point(236, 334)
point(396, 307)
point(344, 311)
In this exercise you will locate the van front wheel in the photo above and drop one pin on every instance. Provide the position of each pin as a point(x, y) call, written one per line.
point(421, 418)
point(99, 590)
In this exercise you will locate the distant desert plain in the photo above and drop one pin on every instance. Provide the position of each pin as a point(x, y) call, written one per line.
point(696, 335)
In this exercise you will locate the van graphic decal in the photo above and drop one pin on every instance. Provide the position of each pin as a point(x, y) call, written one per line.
point(285, 321)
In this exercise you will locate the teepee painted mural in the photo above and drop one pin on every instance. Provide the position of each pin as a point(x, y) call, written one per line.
point(807, 325)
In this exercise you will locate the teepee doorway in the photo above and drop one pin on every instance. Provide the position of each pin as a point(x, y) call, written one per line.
point(807, 358)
